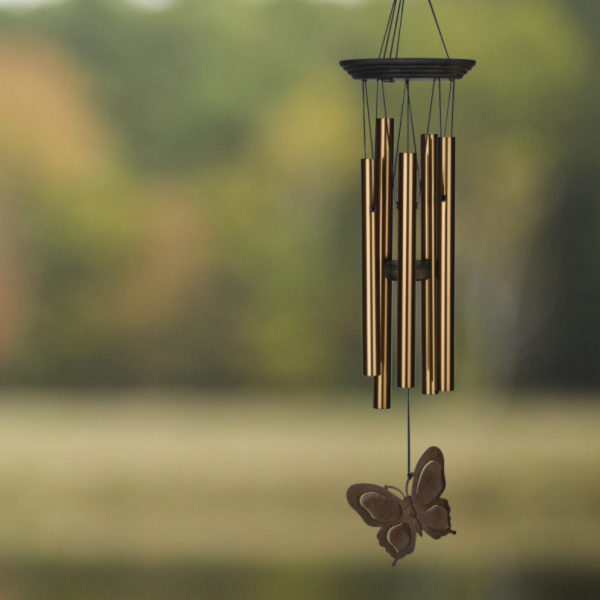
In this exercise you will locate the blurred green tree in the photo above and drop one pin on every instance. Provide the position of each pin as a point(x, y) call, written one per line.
point(179, 191)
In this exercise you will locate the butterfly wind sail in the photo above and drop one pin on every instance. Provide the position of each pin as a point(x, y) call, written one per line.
point(401, 517)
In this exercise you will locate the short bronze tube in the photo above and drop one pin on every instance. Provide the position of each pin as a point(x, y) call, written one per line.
point(384, 191)
point(370, 262)
point(407, 200)
point(446, 266)
point(430, 161)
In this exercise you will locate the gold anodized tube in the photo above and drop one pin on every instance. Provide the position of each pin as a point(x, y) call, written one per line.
point(370, 261)
point(430, 161)
point(446, 265)
point(383, 188)
point(407, 195)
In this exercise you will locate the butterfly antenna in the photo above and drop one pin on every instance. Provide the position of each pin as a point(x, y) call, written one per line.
point(393, 487)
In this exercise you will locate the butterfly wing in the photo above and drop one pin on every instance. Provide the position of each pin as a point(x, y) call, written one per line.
point(436, 519)
point(398, 539)
point(433, 511)
point(379, 507)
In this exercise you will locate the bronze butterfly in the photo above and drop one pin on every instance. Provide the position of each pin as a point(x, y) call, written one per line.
point(401, 518)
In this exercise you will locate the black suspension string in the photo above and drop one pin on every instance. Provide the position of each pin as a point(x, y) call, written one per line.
point(364, 118)
point(440, 102)
point(430, 106)
point(369, 118)
point(408, 127)
point(393, 29)
point(397, 153)
point(401, 117)
point(452, 121)
point(400, 28)
point(383, 97)
point(409, 473)
point(390, 43)
point(386, 34)
point(412, 124)
point(438, 28)
point(448, 105)
point(396, 19)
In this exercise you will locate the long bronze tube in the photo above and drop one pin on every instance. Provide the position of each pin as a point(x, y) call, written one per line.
point(430, 161)
point(407, 200)
point(370, 262)
point(446, 267)
point(384, 132)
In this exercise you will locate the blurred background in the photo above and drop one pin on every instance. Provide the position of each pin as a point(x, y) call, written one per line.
point(182, 406)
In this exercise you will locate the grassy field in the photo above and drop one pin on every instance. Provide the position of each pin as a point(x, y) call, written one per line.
point(213, 479)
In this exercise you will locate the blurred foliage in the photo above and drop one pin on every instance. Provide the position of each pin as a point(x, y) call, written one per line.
point(178, 191)
point(52, 581)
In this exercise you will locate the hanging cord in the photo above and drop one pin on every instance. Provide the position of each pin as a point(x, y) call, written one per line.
point(396, 35)
point(411, 121)
point(408, 124)
point(409, 473)
point(397, 153)
point(386, 34)
point(391, 37)
point(400, 28)
point(452, 121)
point(430, 106)
point(438, 28)
point(383, 99)
point(364, 119)
point(393, 30)
point(440, 102)
point(401, 118)
point(366, 97)
point(451, 85)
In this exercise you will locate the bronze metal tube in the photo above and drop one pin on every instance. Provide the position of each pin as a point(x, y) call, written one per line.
point(407, 200)
point(384, 133)
point(370, 262)
point(430, 161)
point(446, 265)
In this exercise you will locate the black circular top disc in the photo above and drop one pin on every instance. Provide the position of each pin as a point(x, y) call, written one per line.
point(397, 69)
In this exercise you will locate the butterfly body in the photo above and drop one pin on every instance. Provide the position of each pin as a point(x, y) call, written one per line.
point(401, 518)
point(409, 509)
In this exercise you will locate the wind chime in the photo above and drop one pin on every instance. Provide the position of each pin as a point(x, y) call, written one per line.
point(420, 188)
